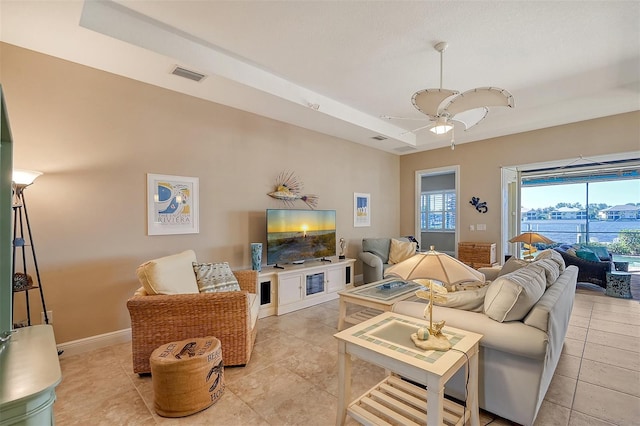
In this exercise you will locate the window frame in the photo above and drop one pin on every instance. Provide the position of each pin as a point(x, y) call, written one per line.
point(425, 211)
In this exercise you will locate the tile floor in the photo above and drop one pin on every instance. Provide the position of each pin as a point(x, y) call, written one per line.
point(292, 376)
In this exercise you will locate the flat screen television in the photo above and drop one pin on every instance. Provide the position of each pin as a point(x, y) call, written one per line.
point(294, 236)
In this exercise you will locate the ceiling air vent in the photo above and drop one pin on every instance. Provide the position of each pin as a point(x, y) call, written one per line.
point(379, 138)
point(191, 75)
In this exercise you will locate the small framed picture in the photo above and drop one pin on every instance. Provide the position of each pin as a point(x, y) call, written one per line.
point(172, 205)
point(361, 209)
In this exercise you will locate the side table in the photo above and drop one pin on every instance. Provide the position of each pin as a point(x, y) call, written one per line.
point(619, 284)
point(621, 266)
point(385, 341)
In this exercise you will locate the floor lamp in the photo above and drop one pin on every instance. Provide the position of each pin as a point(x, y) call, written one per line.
point(21, 280)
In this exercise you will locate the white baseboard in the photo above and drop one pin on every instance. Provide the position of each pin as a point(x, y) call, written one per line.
point(87, 344)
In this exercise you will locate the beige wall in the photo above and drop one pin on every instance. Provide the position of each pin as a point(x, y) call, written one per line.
point(96, 135)
point(480, 165)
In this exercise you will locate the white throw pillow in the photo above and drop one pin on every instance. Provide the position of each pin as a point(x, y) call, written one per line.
point(401, 250)
point(510, 297)
point(467, 300)
point(215, 277)
point(169, 275)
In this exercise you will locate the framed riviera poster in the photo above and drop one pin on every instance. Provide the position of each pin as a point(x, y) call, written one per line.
point(172, 205)
point(361, 209)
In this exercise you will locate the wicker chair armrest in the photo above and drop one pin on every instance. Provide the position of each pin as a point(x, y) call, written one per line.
point(248, 280)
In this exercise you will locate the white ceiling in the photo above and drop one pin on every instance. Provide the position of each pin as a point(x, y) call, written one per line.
point(563, 61)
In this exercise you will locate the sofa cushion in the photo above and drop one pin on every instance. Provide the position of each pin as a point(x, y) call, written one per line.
point(401, 250)
point(254, 308)
point(551, 269)
point(513, 264)
point(511, 296)
point(215, 277)
point(553, 255)
point(169, 275)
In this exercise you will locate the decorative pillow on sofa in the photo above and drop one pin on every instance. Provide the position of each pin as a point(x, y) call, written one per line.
point(467, 300)
point(601, 252)
point(510, 297)
point(401, 250)
point(587, 254)
point(215, 277)
point(169, 275)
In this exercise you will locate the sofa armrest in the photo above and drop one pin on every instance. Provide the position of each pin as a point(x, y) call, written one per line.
point(371, 259)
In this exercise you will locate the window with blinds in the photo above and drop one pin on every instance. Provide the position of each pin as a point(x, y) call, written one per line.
point(438, 210)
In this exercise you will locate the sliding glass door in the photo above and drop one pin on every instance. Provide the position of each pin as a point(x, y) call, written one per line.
point(596, 203)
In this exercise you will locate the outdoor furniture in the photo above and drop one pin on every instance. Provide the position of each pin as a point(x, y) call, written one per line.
point(621, 266)
point(588, 271)
point(619, 285)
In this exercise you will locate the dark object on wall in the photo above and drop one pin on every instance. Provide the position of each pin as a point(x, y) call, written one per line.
point(481, 206)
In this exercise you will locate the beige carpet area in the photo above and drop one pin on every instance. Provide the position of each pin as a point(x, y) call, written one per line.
point(292, 376)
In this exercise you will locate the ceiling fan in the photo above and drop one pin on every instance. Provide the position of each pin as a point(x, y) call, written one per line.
point(444, 106)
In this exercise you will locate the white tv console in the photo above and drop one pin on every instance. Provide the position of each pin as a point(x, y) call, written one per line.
point(298, 286)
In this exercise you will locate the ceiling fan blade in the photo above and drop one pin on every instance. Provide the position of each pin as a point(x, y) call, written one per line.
point(480, 97)
point(471, 117)
point(427, 101)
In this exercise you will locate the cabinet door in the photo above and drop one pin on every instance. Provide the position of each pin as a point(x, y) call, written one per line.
point(315, 283)
point(289, 289)
point(336, 279)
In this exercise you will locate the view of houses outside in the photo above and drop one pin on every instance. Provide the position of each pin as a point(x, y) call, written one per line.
point(610, 217)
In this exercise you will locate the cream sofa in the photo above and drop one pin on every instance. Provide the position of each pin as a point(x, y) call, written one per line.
point(517, 357)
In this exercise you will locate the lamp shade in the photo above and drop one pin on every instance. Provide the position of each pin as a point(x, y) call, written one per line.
point(436, 266)
point(530, 238)
point(24, 177)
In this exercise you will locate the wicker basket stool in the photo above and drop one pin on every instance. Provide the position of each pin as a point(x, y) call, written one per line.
point(187, 376)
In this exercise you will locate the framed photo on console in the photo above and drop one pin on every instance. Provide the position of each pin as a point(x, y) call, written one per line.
point(361, 209)
point(172, 205)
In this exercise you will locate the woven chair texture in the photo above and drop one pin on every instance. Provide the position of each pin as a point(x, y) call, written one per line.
point(159, 319)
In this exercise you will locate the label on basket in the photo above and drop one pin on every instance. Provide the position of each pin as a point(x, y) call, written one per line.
point(215, 376)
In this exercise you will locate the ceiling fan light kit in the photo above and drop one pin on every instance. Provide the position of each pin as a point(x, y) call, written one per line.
point(446, 106)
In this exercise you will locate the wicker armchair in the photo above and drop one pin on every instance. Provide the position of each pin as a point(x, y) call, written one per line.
point(588, 271)
point(160, 319)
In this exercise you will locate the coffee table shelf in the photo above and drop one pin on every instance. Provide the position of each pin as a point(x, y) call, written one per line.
point(395, 401)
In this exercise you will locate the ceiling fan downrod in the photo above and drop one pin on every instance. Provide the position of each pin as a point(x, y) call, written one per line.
point(441, 47)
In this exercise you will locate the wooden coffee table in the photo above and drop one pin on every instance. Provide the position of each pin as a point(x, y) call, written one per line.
point(379, 296)
point(385, 341)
